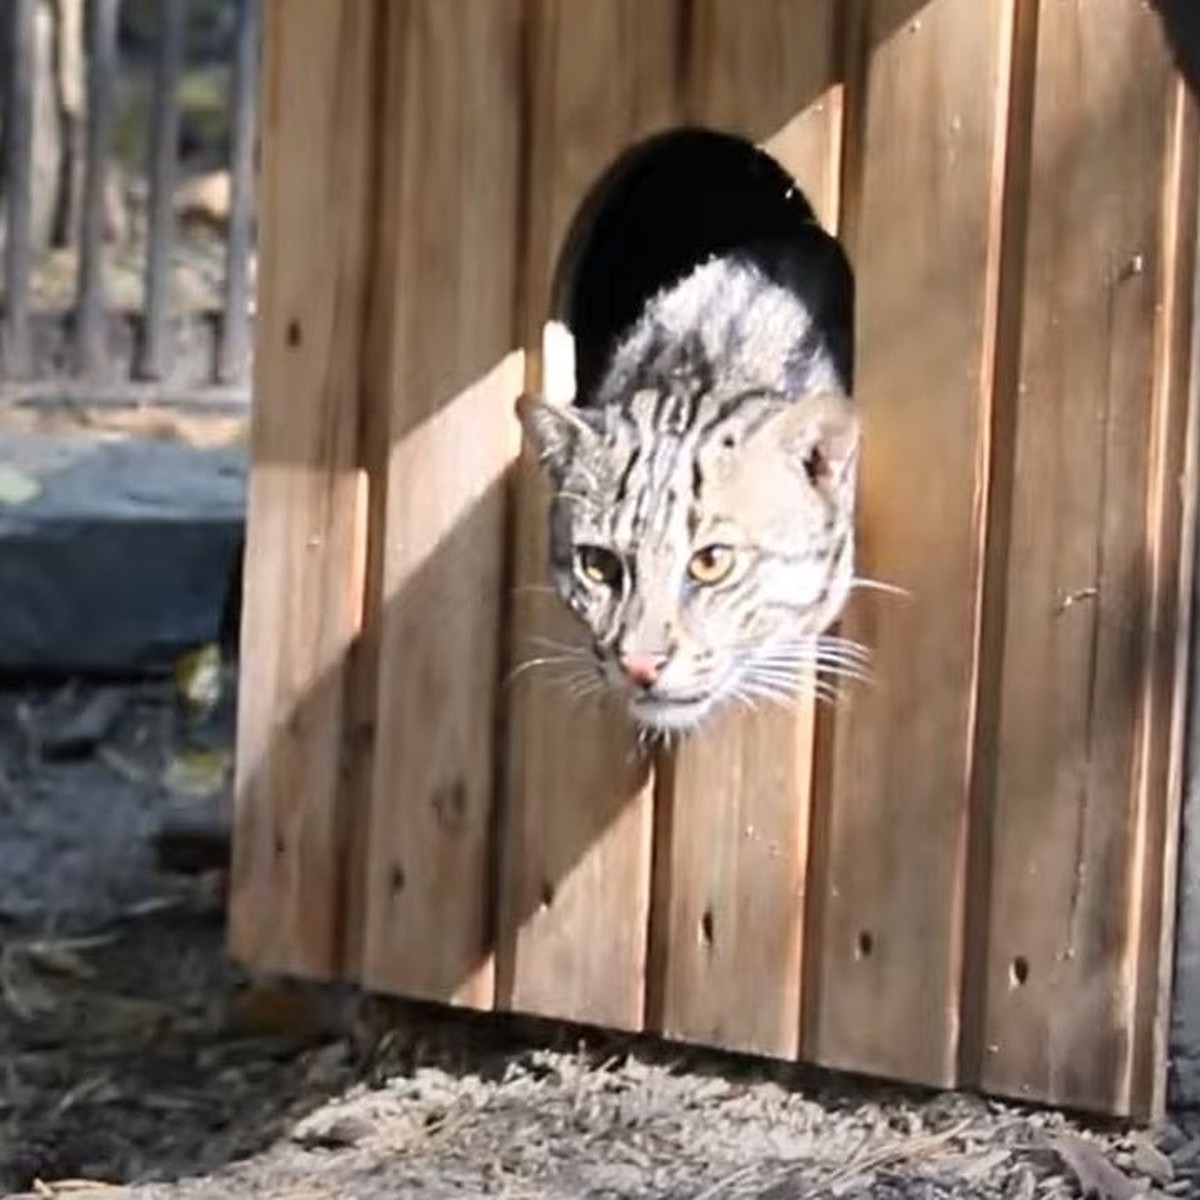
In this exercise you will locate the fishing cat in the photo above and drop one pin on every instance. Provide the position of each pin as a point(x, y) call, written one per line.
point(703, 494)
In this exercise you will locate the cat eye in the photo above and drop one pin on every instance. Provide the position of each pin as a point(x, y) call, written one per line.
point(711, 564)
point(599, 565)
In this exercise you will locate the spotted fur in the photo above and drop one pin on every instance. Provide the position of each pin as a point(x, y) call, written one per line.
point(720, 442)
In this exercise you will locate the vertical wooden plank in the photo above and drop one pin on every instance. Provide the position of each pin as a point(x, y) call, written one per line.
point(731, 850)
point(304, 537)
point(451, 192)
point(361, 723)
point(576, 868)
point(1170, 568)
point(1066, 835)
point(1008, 249)
point(886, 898)
point(731, 840)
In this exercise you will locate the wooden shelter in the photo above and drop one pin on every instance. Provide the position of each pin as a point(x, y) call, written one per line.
point(962, 874)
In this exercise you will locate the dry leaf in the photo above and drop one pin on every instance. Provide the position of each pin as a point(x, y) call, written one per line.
point(71, 727)
point(198, 678)
point(124, 766)
point(16, 487)
point(60, 960)
point(75, 1187)
point(1098, 1179)
point(197, 773)
point(1150, 1161)
point(983, 1165)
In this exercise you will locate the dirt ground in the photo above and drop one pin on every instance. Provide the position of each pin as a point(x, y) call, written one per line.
point(136, 1061)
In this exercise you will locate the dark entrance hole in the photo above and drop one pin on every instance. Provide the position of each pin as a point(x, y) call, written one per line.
point(669, 204)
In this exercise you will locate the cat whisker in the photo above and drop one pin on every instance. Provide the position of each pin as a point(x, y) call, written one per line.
point(554, 644)
point(550, 660)
point(791, 685)
point(846, 646)
point(840, 671)
point(779, 673)
point(814, 659)
point(865, 583)
point(779, 697)
point(826, 647)
point(836, 658)
point(845, 671)
point(836, 639)
point(778, 684)
point(742, 697)
point(823, 660)
point(812, 650)
point(584, 685)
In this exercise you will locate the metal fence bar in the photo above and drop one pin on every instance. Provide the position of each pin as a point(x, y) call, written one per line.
point(234, 351)
point(101, 75)
point(163, 170)
point(18, 161)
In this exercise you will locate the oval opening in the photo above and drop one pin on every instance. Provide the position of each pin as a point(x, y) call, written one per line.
point(667, 205)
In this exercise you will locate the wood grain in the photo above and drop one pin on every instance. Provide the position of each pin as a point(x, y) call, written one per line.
point(731, 840)
point(1065, 830)
point(1171, 567)
point(451, 178)
point(578, 809)
point(302, 595)
point(884, 934)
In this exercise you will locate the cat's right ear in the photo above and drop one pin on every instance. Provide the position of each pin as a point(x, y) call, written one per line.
point(557, 433)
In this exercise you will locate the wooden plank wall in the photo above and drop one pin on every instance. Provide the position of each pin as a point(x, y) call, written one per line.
point(959, 875)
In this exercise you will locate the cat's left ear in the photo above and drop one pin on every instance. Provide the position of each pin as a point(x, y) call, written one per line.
point(820, 436)
point(557, 433)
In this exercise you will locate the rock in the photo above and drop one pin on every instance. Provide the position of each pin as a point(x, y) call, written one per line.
point(122, 558)
point(71, 727)
point(1187, 1153)
point(325, 1132)
point(1150, 1161)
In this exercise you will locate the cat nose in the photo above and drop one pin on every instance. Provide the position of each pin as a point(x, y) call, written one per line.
point(642, 668)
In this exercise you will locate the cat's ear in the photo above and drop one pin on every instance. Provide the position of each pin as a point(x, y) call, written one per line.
point(557, 433)
point(819, 435)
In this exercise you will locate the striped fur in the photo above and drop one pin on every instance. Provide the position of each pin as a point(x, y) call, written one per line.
point(721, 429)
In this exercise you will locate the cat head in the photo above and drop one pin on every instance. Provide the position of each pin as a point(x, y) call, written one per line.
point(706, 546)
